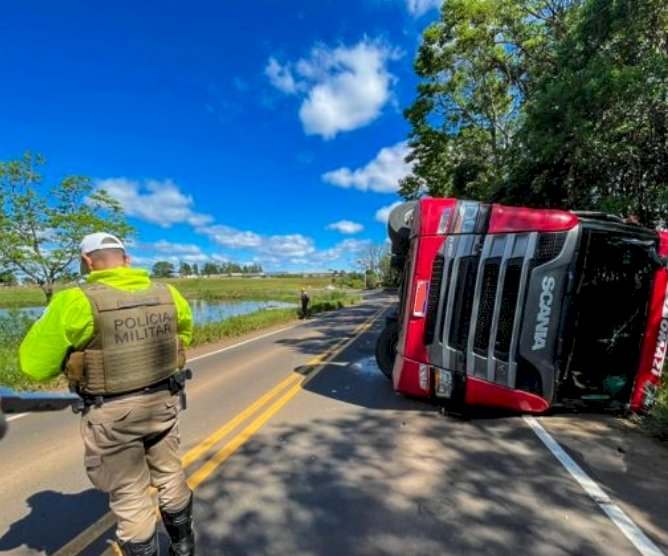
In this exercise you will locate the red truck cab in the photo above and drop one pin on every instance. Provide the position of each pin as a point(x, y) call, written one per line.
point(525, 309)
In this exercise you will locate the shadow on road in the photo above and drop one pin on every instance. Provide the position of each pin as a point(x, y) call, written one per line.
point(54, 519)
point(366, 483)
point(374, 473)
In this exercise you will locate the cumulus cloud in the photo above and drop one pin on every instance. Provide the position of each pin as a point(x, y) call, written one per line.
point(383, 214)
point(418, 8)
point(341, 251)
point(382, 174)
point(345, 227)
point(158, 202)
point(164, 246)
point(289, 245)
point(342, 88)
point(280, 76)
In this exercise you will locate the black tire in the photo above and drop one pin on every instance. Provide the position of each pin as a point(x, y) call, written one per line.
point(399, 227)
point(386, 348)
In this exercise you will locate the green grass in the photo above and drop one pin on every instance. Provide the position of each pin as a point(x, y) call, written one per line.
point(14, 326)
point(209, 289)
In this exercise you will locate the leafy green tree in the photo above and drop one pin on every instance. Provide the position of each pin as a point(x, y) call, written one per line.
point(596, 132)
point(195, 269)
point(7, 278)
point(210, 269)
point(185, 269)
point(477, 64)
point(162, 269)
point(42, 225)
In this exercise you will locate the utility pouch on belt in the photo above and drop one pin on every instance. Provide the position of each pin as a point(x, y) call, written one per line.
point(135, 343)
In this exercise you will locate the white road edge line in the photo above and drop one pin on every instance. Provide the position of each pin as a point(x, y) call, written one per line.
point(17, 416)
point(189, 359)
point(632, 532)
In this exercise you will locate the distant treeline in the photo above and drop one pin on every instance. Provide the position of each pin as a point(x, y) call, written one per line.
point(165, 269)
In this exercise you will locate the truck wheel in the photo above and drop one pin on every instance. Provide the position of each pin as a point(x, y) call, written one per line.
point(386, 348)
point(399, 226)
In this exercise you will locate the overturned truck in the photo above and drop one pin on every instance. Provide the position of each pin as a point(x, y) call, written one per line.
point(525, 309)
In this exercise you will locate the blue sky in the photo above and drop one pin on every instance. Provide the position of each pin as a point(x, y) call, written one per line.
point(255, 130)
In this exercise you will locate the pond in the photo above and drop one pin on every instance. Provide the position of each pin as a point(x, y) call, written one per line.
point(203, 311)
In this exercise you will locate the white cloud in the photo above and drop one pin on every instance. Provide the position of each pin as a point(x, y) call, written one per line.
point(164, 246)
point(345, 227)
point(230, 237)
point(418, 8)
point(158, 202)
point(341, 251)
point(280, 76)
point(343, 88)
point(382, 174)
point(383, 214)
point(290, 245)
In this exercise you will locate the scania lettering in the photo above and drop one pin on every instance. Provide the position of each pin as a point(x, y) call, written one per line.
point(544, 312)
point(525, 309)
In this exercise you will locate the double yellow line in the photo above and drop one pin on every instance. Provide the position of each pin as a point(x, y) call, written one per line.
point(284, 391)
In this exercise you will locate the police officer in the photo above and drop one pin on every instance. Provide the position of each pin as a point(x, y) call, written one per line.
point(119, 340)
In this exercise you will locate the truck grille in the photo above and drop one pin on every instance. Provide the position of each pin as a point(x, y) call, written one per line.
point(549, 246)
point(490, 277)
point(464, 295)
point(434, 295)
point(478, 293)
point(511, 287)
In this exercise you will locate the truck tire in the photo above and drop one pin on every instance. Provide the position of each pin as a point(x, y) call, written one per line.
point(386, 348)
point(399, 227)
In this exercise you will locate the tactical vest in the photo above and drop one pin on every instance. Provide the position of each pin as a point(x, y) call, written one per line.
point(135, 343)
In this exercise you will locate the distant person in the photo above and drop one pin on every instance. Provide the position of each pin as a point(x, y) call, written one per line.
point(305, 301)
point(118, 337)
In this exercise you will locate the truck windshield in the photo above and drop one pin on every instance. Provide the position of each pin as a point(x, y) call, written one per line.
point(605, 321)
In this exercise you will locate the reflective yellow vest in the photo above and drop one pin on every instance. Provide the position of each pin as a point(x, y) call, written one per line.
point(68, 324)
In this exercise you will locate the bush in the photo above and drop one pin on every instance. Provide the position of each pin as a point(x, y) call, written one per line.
point(658, 419)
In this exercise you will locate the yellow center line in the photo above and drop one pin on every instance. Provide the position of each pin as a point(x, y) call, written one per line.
point(92, 533)
point(233, 445)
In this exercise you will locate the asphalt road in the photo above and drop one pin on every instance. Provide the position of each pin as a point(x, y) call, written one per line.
point(296, 444)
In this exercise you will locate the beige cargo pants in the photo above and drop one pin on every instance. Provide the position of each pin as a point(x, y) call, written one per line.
point(132, 444)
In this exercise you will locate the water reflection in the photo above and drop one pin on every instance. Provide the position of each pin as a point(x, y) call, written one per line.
point(206, 311)
point(203, 311)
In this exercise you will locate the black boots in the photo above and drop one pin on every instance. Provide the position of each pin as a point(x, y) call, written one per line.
point(179, 527)
point(149, 547)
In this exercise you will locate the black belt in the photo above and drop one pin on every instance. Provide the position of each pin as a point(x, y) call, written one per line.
point(175, 384)
point(98, 400)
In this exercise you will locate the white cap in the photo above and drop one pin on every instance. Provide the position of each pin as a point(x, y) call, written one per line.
point(100, 240)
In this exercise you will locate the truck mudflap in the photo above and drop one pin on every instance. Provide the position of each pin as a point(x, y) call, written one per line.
point(655, 340)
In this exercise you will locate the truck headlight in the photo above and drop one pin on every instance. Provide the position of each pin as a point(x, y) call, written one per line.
point(424, 376)
point(467, 216)
point(443, 383)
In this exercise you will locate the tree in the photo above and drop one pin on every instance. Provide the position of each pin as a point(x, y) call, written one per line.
point(7, 278)
point(185, 269)
point(370, 260)
point(162, 269)
point(41, 225)
point(209, 269)
point(596, 132)
point(477, 64)
point(195, 269)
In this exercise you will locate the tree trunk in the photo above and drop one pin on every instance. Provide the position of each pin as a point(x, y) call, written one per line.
point(47, 288)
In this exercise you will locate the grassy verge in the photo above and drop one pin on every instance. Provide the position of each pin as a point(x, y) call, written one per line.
point(208, 289)
point(658, 418)
point(14, 326)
